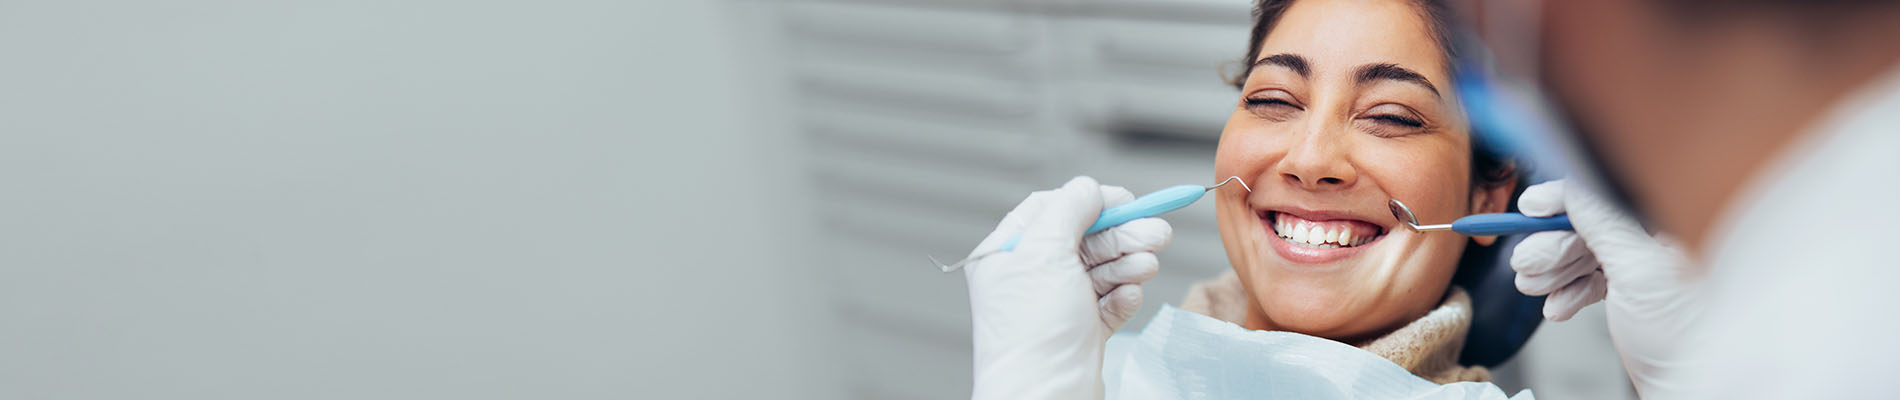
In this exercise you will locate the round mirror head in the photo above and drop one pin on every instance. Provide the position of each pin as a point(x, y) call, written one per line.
point(1402, 213)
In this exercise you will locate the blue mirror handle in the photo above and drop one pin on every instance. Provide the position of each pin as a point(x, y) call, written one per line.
point(1508, 224)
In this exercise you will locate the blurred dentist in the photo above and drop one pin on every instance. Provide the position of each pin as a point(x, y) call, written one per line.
point(1763, 134)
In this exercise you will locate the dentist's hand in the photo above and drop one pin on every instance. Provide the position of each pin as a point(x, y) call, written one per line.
point(1043, 312)
point(1649, 298)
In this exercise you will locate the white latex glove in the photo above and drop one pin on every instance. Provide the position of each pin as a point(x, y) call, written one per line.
point(1043, 312)
point(1650, 301)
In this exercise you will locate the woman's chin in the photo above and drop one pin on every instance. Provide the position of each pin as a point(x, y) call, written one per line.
point(1318, 311)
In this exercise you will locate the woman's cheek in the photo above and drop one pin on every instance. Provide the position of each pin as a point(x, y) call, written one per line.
point(1246, 148)
point(1432, 180)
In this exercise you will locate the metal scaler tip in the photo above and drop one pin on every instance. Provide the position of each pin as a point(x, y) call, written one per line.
point(1231, 179)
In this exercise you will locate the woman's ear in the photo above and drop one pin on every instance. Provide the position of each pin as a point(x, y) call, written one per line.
point(1490, 199)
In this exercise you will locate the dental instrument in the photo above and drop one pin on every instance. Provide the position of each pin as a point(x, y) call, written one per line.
point(1483, 224)
point(1149, 205)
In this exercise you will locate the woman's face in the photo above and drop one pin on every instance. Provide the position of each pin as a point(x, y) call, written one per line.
point(1349, 105)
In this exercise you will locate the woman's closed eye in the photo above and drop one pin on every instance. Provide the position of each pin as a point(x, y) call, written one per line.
point(1273, 105)
point(1397, 120)
point(1390, 120)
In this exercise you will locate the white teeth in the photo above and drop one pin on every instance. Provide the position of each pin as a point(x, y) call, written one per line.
point(1315, 236)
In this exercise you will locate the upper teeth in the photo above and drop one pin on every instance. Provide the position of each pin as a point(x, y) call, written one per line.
point(1315, 235)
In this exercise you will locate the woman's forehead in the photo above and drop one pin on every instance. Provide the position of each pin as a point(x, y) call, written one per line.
point(1339, 36)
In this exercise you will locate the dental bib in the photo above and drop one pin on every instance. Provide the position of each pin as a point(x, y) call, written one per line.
point(1184, 355)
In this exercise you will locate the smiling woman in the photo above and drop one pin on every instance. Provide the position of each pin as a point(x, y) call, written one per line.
point(1341, 110)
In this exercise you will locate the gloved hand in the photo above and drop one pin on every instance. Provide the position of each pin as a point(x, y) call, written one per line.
point(1650, 299)
point(1042, 313)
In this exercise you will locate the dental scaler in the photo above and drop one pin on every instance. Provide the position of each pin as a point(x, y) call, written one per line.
point(1148, 205)
point(1484, 224)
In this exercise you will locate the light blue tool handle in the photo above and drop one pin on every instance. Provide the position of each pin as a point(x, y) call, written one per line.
point(1508, 224)
point(1149, 205)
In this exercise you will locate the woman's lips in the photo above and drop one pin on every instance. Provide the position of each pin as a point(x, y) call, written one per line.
point(1305, 241)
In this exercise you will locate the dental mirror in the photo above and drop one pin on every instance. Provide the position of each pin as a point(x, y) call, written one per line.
point(1405, 216)
point(1483, 224)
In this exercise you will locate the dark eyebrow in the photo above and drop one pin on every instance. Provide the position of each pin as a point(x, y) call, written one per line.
point(1389, 71)
point(1291, 61)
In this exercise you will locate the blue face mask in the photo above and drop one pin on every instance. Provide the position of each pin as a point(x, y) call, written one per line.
point(1183, 355)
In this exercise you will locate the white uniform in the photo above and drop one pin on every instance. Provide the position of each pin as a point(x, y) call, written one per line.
point(1803, 282)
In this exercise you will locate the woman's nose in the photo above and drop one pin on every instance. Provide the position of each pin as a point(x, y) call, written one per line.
point(1317, 162)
